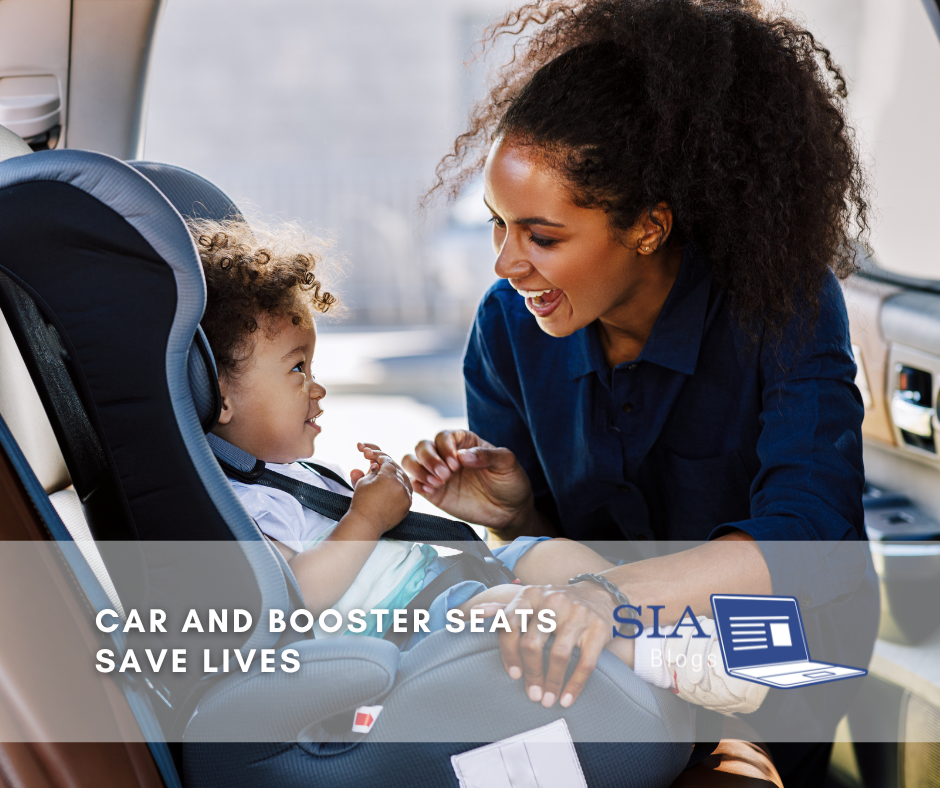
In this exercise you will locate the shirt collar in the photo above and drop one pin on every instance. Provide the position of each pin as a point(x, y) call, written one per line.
point(677, 333)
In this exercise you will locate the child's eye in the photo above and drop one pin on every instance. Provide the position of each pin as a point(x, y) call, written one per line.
point(298, 367)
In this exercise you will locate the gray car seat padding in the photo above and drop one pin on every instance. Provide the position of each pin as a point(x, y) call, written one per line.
point(115, 187)
point(195, 197)
point(448, 689)
point(191, 194)
point(100, 189)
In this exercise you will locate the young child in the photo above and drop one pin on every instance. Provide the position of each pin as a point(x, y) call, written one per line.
point(262, 295)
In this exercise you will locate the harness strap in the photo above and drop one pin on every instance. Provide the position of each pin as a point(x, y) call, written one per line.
point(416, 527)
point(329, 473)
point(476, 563)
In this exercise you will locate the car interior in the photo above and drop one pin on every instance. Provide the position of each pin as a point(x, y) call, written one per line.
point(73, 77)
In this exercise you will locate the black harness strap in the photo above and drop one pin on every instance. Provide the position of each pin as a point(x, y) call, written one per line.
point(416, 527)
point(476, 562)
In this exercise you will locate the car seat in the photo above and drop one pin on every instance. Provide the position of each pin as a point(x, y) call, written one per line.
point(102, 287)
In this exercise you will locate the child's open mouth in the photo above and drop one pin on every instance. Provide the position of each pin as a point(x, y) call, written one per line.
point(313, 422)
point(542, 302)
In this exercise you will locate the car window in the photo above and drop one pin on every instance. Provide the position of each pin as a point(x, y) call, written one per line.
point(335, 114)
point(891, 54)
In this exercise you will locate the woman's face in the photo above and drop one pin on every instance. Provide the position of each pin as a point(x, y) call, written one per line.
point(564, 260)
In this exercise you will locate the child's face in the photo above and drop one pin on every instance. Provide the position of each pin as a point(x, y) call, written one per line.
point(270, 408)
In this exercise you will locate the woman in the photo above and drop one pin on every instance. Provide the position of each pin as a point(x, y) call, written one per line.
point(674, 191)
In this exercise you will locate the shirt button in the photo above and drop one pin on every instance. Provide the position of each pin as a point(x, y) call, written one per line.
point(627, 407)
point(632, 366)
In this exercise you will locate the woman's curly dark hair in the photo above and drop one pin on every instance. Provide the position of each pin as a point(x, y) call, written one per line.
point(733, 117)
point(255, 275)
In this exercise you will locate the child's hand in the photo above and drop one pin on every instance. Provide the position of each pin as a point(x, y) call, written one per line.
point(383, 495)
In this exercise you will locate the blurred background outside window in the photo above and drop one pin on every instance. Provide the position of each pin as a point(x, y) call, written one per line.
point(335, 114)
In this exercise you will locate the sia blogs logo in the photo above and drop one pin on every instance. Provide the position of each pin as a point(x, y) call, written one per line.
point(762, 640)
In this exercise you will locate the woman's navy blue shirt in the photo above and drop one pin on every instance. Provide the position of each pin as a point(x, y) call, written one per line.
point(703, 433)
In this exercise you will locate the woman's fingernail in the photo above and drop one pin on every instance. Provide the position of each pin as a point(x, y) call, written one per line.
point(442, 472)
point(548, 699)
point(432, 481)
point(566, 700)
point(535, 693)
point(453, 464)
point(515, 673)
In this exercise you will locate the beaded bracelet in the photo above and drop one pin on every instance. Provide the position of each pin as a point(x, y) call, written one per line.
point(615, 592)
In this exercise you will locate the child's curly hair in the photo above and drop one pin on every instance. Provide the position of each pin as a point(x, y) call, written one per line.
point(253, 276)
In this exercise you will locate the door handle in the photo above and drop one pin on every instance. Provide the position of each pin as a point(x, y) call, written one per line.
point(911, 417)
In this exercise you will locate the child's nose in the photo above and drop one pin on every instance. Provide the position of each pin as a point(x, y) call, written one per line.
point(317, 390)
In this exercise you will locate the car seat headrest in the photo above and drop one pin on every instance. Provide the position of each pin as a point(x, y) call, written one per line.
point(204, 381)
point(195, 198)
point(191, 194)
point(12, 144)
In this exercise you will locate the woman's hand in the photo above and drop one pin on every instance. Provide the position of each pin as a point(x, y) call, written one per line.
point(469, 478)
point(584, 617)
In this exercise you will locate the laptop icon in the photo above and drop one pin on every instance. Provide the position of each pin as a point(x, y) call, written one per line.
point(762, 640)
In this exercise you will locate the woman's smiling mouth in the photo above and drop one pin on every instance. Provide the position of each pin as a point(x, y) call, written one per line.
point(542, 302)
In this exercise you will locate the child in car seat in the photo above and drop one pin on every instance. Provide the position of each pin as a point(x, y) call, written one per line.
point(259, 320)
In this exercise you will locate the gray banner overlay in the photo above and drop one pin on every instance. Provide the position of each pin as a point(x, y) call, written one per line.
point(232, 677)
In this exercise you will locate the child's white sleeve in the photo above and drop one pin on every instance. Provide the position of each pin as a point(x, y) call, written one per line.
point(280, 519)
point(694, 669)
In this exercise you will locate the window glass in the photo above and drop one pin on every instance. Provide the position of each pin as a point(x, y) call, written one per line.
point(335, 114)
point(891, 54)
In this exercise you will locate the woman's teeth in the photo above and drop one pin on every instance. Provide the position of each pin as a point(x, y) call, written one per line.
point(533, 293)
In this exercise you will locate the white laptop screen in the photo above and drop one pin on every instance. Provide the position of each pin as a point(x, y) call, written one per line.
point(759, 630)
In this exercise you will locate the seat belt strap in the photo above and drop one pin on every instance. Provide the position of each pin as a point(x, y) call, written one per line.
point(476, 563)
point(415, 527)
point(329, 473)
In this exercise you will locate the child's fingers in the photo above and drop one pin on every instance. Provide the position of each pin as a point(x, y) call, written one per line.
point(369, 450)
point(405, 480)
point(355, 475)
point(376, 456)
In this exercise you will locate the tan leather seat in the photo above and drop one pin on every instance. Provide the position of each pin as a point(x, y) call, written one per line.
point(23, 412)
point(19, 402)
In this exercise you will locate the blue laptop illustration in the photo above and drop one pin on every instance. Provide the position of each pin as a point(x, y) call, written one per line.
point(762, 640)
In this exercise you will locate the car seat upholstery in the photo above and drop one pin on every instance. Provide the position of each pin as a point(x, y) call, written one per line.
point(102, 286)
